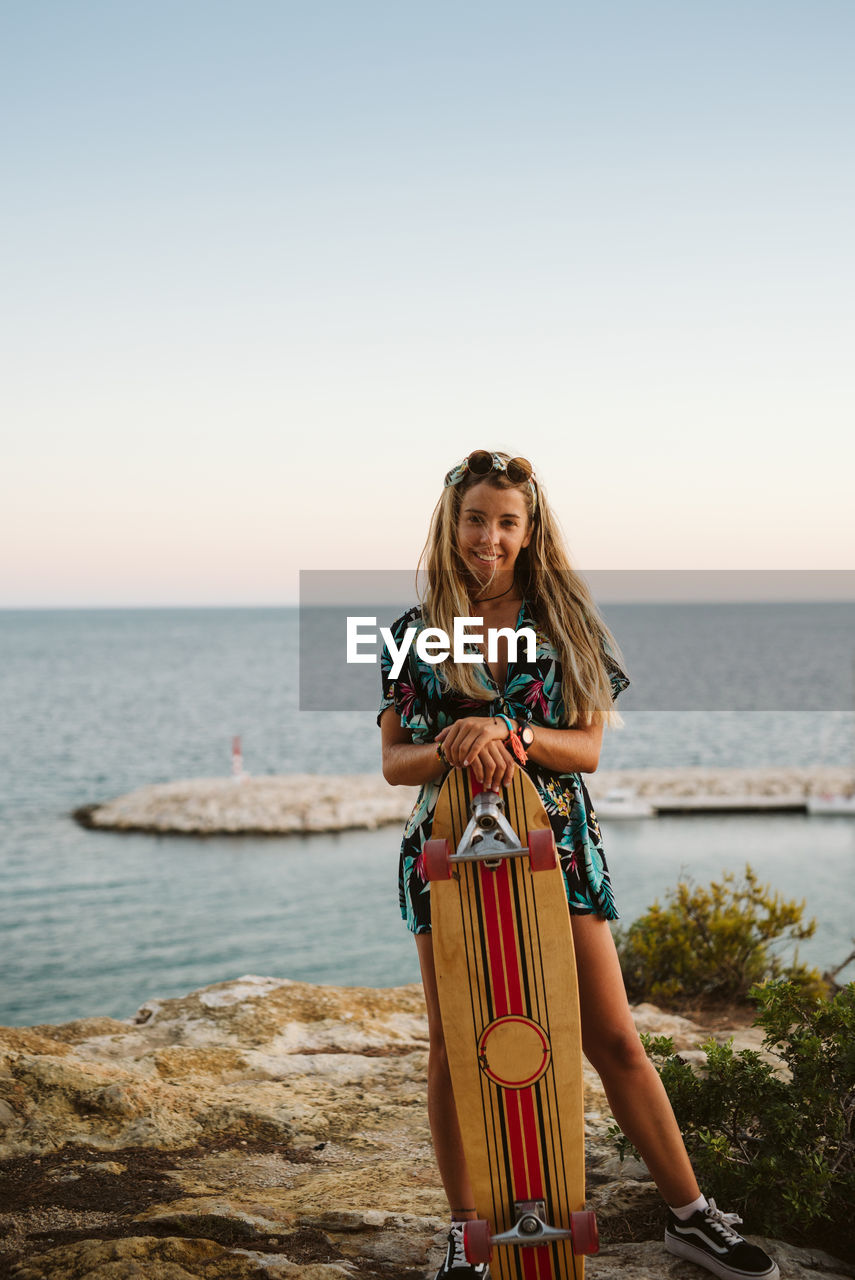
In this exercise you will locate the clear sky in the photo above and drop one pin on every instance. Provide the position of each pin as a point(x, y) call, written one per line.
point(271, 268)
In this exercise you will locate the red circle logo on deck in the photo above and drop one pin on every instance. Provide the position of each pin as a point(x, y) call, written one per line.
point(514, 1052)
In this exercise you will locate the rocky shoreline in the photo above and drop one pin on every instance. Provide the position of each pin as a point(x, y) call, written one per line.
point(303, 803)
point(262, 1128)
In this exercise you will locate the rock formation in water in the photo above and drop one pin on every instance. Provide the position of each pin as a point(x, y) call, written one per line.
point(297, 803)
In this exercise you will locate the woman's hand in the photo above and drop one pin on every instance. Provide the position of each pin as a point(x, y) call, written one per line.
point(493, 767)
point(479, 741)
point(466, 738)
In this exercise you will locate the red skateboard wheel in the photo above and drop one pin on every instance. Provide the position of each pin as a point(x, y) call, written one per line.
point(476, 1242)
point(586, 1237)
point(436, 860)
point(542, 854)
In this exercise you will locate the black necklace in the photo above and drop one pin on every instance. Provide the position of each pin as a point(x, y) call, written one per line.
point(486, 599)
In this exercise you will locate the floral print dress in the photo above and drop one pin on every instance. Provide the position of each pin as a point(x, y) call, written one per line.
point(426, 704)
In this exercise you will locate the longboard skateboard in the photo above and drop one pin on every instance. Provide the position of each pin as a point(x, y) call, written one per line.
point(506, 977)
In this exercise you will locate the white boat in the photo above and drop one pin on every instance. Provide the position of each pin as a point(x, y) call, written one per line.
point(620, 802)
point(829, 805)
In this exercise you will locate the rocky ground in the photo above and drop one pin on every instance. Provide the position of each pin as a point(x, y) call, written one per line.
point(263, 1129)
point(307, 802)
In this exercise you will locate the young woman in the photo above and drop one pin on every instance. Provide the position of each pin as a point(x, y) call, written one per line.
point(495, 551)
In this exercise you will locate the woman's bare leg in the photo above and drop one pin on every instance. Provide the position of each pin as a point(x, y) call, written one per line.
point(636, 1095)
point(442, 1114)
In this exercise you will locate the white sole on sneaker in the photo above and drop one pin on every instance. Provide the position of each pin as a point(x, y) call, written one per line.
point(694, 1253)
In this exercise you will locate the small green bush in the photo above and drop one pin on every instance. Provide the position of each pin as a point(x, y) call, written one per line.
point(712, 945)
point(779, 1135)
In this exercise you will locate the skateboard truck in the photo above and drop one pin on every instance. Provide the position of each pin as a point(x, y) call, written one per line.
point(530, 1229)
point(490, 838)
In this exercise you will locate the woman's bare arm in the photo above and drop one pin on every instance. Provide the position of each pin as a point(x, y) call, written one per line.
point(567, 750)
point(562, 750)
point(406, 763)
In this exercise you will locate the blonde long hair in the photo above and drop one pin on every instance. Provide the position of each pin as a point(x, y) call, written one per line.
point(556, 594)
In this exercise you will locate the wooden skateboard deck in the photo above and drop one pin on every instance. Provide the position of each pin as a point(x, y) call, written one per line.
point(506, 976)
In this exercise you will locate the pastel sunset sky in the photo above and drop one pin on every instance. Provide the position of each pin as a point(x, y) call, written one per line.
point(270, 269)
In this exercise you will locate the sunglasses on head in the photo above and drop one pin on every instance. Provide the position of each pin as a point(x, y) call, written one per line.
point(483, 463)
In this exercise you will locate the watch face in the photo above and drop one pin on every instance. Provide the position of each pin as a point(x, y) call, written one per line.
point(527, 736)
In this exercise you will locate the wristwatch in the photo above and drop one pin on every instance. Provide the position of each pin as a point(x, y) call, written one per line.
point(526, 735)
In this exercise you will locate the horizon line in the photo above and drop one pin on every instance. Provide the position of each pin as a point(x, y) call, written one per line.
point(334, 604)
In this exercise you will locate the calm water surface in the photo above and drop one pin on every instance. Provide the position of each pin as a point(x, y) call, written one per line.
point(97, 703)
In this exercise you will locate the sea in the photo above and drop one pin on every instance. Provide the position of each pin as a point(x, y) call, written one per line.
point(95, 703)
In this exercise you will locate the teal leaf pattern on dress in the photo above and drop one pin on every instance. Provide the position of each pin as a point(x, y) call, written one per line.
point(425, 704)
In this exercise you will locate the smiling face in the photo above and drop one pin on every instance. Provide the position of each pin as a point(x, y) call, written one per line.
point(492, 529)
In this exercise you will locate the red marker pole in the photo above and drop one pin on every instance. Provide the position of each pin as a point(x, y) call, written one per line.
point(237, 757)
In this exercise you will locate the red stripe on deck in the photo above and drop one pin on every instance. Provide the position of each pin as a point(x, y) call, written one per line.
point(543, 1254)
point(494, 942)
point(532, 1145)
point(512, 958)
point(517, 1145)
point(530, 1264)
point(506, 986)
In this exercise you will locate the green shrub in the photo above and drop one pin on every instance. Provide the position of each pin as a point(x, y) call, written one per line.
point(779, 1135)
point(712, 945)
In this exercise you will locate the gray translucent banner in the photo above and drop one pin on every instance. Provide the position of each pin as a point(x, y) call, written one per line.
point(741, 640)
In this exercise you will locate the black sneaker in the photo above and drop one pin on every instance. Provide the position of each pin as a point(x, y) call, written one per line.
point(455, 1264)
point(708, 1239)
